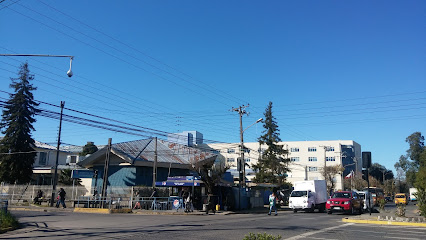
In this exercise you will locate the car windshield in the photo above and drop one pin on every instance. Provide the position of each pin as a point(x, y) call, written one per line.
point(342, 195)
point(361, 195)
point(400, 196)
point(299, 194)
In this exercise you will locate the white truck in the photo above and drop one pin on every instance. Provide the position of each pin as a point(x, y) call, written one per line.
point(413, 194)
point(308, 195)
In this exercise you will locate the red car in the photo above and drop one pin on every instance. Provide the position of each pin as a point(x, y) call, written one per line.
point(344, 201)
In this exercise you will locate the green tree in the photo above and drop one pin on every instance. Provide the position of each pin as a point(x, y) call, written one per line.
point(329, 173)
point(17, 122)
point(65, 177)
point(378, 171)
point(273, 164)
point(89, 148)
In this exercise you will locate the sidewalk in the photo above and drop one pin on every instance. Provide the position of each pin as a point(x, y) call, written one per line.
point(33, 207)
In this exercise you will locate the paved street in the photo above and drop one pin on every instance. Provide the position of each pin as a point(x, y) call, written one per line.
point(68, 225)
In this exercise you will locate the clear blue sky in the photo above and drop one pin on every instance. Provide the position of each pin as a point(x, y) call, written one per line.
point(349, 70)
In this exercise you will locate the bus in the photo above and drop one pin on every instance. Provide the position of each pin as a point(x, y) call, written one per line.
point(377, 194)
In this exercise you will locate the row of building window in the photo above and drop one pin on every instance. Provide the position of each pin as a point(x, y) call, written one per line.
point(294, 149)
point(312, 159)
point(231, 160)
point(230, 150)
point(311, 149)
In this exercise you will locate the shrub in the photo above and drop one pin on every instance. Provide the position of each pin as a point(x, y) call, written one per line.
point(8, 221)
point(421, 201)
point(400, 211)
point(261, 236)
point(382, 203)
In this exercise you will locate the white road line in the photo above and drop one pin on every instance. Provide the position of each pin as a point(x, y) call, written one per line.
point(304, 235)
point(321, 238)
point(405, 238)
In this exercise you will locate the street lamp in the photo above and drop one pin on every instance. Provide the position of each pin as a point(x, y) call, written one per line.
point(69, 73)
point(242, 161)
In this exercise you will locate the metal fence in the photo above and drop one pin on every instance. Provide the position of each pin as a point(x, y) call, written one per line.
point(80, 196)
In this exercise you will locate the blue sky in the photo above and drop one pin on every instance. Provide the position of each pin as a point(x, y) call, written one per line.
point(349, 70)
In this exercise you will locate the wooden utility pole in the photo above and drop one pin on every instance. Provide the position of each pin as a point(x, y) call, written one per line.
point(55, 176)
point(105, 176)
point(154, 167)
point(242, 171)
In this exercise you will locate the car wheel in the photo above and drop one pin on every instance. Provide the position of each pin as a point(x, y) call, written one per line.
point(322, 208)
point(312, 209)
point(352, 211)
point(329, 212)
point(294, 210)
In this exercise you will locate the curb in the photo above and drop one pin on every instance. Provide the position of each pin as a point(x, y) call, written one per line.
point(412, 224)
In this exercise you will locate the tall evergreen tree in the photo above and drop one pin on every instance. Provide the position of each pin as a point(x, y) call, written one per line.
point(17, 124)
point(273, 164)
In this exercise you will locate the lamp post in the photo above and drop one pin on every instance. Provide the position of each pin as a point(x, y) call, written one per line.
point(69, 73)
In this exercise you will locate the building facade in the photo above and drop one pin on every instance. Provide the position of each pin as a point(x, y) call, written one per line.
point(307, 158)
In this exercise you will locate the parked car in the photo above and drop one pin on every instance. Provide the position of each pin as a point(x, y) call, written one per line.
point(401, 198)
point(388, 198)
point(344, 201)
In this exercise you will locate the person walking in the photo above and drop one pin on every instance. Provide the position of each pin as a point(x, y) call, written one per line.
point(61, 198)
point(272, 203)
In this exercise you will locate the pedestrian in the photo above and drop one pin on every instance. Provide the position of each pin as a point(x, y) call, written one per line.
point(272, 203)
point(61, 198)
point(154, 195)
point(39, 197)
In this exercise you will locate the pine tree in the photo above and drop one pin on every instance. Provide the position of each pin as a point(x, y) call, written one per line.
point(273, 164)
point(18, 116)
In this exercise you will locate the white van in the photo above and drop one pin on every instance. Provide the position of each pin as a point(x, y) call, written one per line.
point(364, 196)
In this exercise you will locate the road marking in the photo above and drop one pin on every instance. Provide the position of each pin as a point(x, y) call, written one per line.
point(405, 238)
point(322, 238)
point(304, 235)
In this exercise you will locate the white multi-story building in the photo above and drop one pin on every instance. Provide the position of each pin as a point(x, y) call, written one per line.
point(307, 158)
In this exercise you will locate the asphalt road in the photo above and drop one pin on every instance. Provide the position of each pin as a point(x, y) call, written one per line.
point(68, 225)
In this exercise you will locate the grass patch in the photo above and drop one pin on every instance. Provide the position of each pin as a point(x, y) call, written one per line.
point(7, 222)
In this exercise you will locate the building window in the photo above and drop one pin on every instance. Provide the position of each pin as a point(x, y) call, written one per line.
point(231, 150)
point(294, 149)
point(330, 159)
point(216, 151)
point(42, 158)
point(73, 159)
point(247, 150)
point(330, 149)
point(295, 159)
point(230, 160)
point(312, 169)
point(247, 159)
point(312, 149)
point(312, 159)
point(261, 150)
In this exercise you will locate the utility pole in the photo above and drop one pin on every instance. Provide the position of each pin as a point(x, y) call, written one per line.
point(154, 167)
point(105, 176)
point(242, 172)
point(55, 176)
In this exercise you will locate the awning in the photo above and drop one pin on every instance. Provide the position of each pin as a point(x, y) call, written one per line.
point(180, 181)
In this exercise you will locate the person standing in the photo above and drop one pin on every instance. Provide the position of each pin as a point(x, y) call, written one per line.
point(272, 203)
point(61, 196)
